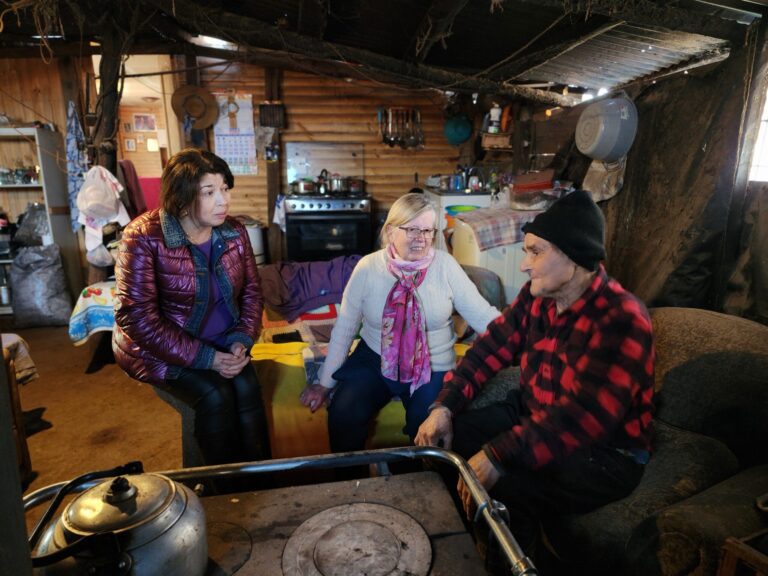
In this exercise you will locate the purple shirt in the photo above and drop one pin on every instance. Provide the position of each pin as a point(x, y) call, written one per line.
point(217, 320)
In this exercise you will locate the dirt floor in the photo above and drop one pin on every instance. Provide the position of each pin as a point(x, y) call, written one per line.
point(78, 422)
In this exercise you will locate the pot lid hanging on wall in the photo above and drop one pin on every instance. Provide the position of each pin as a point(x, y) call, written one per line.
point(196, 103)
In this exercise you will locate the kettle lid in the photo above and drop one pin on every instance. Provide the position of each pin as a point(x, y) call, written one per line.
point(120, 503)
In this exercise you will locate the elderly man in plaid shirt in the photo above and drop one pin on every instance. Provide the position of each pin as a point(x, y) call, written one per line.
point(576, 434)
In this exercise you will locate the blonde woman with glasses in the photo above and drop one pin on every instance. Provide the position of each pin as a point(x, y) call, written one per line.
point(399, 300)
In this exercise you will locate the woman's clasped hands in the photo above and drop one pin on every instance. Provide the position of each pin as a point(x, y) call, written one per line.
point(230, 364)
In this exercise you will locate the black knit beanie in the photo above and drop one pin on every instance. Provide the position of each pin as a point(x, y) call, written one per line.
point(575, 225)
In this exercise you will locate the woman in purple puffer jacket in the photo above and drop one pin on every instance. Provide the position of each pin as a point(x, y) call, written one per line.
point(189, 307)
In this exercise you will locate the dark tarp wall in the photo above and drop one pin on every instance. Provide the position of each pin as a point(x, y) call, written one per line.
point(666, 227)
point(748, 285)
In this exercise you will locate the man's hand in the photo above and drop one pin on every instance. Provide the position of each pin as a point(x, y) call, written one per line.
point(486, 473)
point(436, 430)
point(230, 365)
point(314, 396)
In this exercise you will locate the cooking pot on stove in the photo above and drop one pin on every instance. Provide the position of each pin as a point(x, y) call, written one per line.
point(304, 186)
point(356, 185)
point(136, 524)
point(339, 183)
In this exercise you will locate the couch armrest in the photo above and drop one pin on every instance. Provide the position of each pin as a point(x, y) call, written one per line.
point(683, 463)
point(686, 538)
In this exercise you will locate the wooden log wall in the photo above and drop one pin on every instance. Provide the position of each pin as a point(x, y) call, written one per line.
point(30, 91)
point(148, 164)
point(320, 109)
point(250, 193)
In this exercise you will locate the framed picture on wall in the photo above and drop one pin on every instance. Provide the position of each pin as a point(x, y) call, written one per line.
point(130, 144)
point(144, 123)
point(127, 127)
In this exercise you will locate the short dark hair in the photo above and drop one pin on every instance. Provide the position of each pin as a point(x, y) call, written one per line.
point(182, 174)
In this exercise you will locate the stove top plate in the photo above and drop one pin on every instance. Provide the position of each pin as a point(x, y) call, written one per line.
point(258, 525)
point(359, 538)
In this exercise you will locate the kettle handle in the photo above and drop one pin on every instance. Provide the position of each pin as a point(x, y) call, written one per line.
point(134, 467)
point(324, 174)
point(106, 543)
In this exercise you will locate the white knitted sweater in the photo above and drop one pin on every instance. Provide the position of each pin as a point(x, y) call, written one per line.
point(445, 287)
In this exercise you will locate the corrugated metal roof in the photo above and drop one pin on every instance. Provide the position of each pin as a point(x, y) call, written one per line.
point(622, 54)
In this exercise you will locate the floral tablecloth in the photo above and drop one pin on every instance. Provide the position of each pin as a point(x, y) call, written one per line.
point(94, 312)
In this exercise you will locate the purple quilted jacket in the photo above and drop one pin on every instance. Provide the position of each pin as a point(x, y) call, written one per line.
point(160, 307)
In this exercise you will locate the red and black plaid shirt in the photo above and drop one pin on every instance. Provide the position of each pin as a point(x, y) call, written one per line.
point(586, 375)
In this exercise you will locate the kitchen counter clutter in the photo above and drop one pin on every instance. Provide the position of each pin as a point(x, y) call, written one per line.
point(444, 198)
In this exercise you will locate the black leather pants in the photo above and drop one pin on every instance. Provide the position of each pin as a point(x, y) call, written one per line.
point(230, 422)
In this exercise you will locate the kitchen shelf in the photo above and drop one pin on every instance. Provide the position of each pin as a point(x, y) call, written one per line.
point(47, 148)
point(498, 141)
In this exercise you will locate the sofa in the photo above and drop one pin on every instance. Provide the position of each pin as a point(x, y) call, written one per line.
point(710, 456)
point(292, 346)
point(710, 447)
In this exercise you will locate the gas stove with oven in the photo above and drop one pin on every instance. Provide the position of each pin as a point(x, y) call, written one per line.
point(322, 227)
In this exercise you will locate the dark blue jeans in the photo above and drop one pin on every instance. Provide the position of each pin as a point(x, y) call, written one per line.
point(361, 392)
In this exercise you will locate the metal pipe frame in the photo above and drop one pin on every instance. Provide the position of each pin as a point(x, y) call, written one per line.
point(492, 511)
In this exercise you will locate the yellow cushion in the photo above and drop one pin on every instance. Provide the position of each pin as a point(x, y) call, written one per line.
point(293, 429)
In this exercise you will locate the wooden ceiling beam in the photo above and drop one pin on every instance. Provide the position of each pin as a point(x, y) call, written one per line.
point(313, 17)
point(251, 32)
point(646, 12)
point(435, 26)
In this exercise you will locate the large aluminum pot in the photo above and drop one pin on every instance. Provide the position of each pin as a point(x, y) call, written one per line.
point(138, 525)
point(339, 183)
point(606, 129)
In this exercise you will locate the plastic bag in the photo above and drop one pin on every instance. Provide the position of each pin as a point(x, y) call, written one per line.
point(33, 227)
point(39, 294)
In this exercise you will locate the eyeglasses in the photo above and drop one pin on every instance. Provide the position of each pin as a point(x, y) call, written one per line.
point(413, 233)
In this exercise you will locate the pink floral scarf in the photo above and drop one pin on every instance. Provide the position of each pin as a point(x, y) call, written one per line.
point(404, 348)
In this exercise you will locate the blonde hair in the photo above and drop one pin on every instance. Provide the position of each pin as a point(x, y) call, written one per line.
point(405, 209)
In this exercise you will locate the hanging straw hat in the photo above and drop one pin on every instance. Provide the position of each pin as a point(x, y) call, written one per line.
point(197, 103)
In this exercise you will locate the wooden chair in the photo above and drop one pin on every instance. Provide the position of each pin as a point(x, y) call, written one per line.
point(19, 434)
point(190, 449)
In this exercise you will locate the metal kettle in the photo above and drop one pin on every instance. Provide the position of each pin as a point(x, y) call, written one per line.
point(322, 182)
point(134, 524)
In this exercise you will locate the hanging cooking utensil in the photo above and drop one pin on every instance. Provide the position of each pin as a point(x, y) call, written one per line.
point(380, 120)
point(406, 130)
point(419, 131)
point(400, 128)
point(390, 138)
point(413, 139)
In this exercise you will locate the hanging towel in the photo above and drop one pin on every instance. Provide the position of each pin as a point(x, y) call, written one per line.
point(77, 162)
